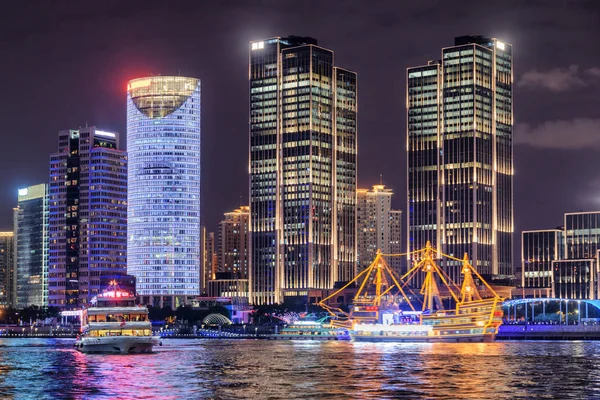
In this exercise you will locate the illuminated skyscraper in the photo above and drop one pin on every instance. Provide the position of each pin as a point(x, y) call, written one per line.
point(31, 237)
point(233, 243)
point(6, 266)
point(87, 215)
point(460, 157)
point(163, 228)
point(302, 169)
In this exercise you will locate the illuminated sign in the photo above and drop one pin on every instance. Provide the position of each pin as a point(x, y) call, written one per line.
point(75, 313)
point(258, 45)
point(105, 134)
point(23, 192)
point(500, 45)
point(139, 83)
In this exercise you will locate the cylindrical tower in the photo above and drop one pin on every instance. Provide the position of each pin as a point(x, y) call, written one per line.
point(163, 227)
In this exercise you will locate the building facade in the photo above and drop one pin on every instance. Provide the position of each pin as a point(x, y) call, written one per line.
point(234, 243)
point(209, 258)
point(564, 262)
point(87, 215)
point(6, 266)
point(538, 251)
point(396, 245)
point(377, 225)
point(460, 158)
point(31, 238)
point(163, 141)
point(302, 169)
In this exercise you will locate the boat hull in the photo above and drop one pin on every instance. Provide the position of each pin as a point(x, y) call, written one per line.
point(117, 344)
point(481, 338)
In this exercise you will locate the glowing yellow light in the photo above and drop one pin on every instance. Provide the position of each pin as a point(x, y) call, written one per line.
point(138, 84)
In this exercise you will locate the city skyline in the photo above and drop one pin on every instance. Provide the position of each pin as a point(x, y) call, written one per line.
point(553, 90)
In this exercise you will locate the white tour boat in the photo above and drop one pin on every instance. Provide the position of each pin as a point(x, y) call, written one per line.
point(113, 323)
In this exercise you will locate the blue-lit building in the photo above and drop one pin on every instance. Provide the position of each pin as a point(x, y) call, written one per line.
point(303, 133)
point(163, 231)
point(31, 238)
point(87, 215)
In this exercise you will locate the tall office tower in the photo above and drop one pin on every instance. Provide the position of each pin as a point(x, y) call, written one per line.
point(87, 218)
point(396, 263)
point(538, 250)
point(233, 243)
point(31, 237)
point(302, 170)
point(373, 221)
point(163, 228)
point(460, 158)
point(6, 265)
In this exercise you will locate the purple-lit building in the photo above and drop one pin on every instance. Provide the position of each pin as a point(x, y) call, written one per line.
point(87, 221)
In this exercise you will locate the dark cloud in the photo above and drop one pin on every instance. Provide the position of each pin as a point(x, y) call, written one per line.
point(560, 79)
point(576, 134)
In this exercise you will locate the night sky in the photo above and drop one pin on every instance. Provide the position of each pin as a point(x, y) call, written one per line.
point(68, 65)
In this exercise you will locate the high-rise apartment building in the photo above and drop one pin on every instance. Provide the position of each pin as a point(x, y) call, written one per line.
point(302, 169)
point(460, 158)
point(87, 205)
point(163, 227)
point(31, 237)
point(233, 243)
point(6, 265)
point(377, 225)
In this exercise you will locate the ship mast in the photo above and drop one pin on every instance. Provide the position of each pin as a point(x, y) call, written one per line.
point(430, 288)
point(468, 291)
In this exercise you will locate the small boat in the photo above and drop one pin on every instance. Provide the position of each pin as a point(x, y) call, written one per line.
point(113, 323)
point(382, 311)
point(311, 329)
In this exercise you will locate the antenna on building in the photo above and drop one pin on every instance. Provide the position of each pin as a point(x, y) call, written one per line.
point(381, 179)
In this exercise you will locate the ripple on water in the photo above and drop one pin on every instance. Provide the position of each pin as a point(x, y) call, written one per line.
point(237, 369)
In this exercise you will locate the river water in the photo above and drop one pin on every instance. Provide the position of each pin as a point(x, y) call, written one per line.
point(260, 369)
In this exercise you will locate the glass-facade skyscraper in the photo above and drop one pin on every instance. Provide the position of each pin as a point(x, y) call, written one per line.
point(460, 157)
point(163, 142)
point(31, 237)
point(302, 169)
point(87, 215)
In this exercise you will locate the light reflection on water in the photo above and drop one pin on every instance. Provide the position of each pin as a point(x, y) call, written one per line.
point(250, 369)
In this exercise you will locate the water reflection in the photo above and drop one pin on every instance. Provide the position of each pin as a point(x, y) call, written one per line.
point(196, 369)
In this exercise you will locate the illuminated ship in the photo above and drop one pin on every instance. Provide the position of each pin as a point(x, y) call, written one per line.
point(382, 311)
point(113, 323)
point(311, 329)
